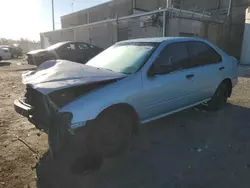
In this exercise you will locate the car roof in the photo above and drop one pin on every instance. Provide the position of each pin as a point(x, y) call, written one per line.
point(65, 42)
point(162, 39)
point(4, 46)
point(4, 49)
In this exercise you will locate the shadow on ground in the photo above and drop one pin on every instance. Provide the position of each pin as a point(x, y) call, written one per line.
point(4, 63)
point(193, 149)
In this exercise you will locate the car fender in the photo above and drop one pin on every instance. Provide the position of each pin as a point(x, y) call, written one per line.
point(90, 105)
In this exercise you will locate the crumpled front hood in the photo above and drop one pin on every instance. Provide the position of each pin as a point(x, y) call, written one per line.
point(60, 74)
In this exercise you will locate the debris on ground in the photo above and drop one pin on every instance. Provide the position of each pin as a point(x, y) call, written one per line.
point(199, 150)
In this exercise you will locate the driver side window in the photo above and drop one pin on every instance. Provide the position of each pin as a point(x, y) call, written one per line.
point(174, 57)
point(82, 46)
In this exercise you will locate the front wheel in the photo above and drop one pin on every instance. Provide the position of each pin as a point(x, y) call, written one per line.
point(219, 99)
point(109, 133)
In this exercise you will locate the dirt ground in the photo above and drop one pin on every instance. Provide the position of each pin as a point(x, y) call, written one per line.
point(194, 148)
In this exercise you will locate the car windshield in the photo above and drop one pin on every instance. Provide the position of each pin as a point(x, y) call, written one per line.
point(125, 58)
point(54, 46)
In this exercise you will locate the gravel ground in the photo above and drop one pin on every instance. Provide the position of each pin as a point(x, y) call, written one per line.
point(193, 148)
point(16, 160)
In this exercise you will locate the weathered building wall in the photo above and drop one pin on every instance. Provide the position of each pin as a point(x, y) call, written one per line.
point(183, 27)
point(204, 4)
point(149, 5)
point(245, 56)
point(100, 12)
point(106, 34)
point(110, 10)
point(234, 25)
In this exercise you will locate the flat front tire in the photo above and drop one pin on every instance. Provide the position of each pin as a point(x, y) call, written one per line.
point(109, 133)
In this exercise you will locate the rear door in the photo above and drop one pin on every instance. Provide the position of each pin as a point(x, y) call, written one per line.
point(208, 68)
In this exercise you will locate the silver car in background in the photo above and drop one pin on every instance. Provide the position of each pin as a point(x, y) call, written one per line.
point(131, 83)
point(4, 54)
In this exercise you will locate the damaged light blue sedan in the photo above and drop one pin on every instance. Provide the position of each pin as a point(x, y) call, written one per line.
point(130, 83)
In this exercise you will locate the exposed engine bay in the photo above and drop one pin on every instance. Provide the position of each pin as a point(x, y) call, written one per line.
point(45, 106)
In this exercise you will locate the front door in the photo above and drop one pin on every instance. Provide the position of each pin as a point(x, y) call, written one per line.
point(171, 88)
point(68, 52)
point(83, 52)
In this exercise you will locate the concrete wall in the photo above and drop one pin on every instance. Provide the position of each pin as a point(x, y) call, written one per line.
point(204, 4)
point(231, 37)
point(149, 5)
point(234, 26)
point(125, 7)
point(106, 34)
point(190, 27)
point(110, 10)
point(100, 12)
point(90, 35)
point(245, 55)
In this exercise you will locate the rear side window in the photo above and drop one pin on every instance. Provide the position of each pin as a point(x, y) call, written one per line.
point(83, 46)
point(202, 54)
point(174, 57)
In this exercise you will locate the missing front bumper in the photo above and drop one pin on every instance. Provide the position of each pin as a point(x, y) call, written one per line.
point(58, 128)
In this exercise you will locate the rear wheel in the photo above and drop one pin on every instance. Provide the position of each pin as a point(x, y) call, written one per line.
point(110, 133)
point(219, 98)
point(1, 58)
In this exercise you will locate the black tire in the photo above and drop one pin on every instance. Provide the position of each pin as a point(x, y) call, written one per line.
point(109, 134)
point(1, 58)
point(219, 99)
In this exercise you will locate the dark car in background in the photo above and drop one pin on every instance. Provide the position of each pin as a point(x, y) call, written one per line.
point(79, 52)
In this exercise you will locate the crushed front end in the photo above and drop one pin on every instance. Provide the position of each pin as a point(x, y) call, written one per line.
point(54, 85)
point(45, 115)
point(43, 110)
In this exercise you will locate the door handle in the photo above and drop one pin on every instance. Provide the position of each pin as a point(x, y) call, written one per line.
point(190, 76)
point(221, 68)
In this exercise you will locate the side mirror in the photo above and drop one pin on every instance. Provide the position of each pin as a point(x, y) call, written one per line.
point(159, 69)
point(151, 71)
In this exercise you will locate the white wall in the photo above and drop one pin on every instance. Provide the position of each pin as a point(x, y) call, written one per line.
point(245, 55)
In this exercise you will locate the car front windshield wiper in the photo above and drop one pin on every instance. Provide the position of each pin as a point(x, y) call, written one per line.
point(112, 70)
point(105, 69)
